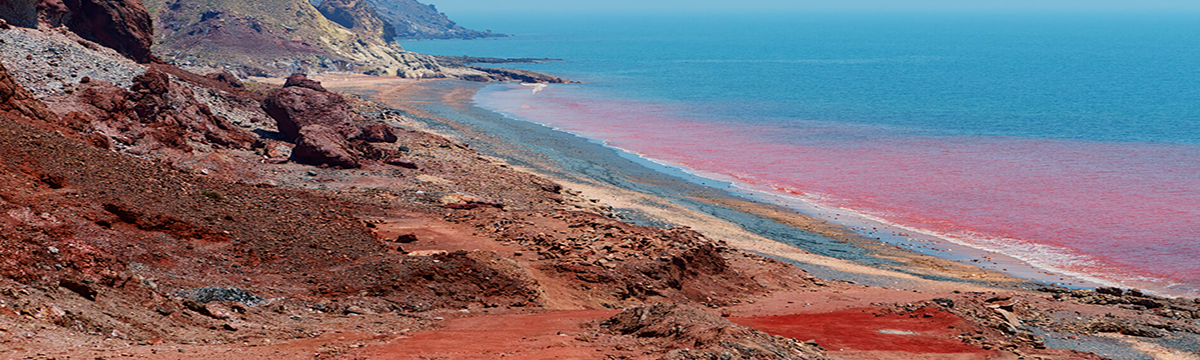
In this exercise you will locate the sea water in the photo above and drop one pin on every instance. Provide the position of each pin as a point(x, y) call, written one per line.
point(1070, 140)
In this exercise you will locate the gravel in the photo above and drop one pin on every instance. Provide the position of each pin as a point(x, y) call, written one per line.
point(50, 62)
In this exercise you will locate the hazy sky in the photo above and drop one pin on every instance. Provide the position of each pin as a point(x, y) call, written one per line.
point(452, 7)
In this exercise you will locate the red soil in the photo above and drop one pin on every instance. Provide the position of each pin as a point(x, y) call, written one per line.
point(927, 330)
point(549, 335)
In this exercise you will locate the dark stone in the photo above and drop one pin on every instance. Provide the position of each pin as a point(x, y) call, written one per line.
point(214, 293)
point(123, 25)
point(944, 302)
point(378, 133)
point(406, 239)
point(402, 163)
point(227, 79)
point(83, 289)
point(295, 107)
point(320, 145)
point(300, 80)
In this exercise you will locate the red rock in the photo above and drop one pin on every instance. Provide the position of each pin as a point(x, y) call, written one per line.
point(296, 107)
point(157, 113)
point(123, 25)
point(378, 133)
point(321, 145)
point(407, 164)
point(226, 78)
point(14, 98)
point(304, 82)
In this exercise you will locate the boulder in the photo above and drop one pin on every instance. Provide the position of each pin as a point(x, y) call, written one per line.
point(378, 133)
point(321, 145)
point(226, 78)
point(123, 25)
point(298, 106)
point(304, 82)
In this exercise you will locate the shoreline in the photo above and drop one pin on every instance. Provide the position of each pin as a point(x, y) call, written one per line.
point(887, 239)
point(644, 193)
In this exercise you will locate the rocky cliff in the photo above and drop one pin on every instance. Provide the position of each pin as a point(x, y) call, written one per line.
point(123, 25)
point(279, 37)
point(414, 20)
point(358, 16)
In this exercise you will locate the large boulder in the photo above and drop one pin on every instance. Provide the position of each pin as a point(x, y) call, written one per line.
point(321, 145)
point(304, 82)
point(123, 25)
point(301, 104)
point(378, 132)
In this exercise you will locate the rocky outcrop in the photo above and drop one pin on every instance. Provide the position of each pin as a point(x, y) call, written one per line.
point(157, 113)
point(359, 17)
point(227, 79)
point(123, 25)
point(698, 334)
point(414, 20)
point(325, 132)
point(16, 101)
point(378, 133)
point(303, 102)
point(321, 145)
point(525, 76)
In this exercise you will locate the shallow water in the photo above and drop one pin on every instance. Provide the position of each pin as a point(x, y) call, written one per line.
point(1071, 142)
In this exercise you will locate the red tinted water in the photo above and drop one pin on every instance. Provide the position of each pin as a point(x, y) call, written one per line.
point(1123, 211)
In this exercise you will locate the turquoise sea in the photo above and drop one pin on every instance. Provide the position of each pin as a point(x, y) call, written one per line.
point(1070, 141)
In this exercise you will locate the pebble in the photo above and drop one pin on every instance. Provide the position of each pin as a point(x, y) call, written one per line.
point(28, 53)
point(52, 250)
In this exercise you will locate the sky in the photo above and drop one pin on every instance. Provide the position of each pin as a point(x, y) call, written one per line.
point(452, 7)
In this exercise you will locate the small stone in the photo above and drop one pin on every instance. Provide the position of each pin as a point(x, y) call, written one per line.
point(52, 250)
point(311, 173)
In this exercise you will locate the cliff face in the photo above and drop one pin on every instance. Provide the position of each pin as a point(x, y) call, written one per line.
point(358, 16)
point(414, 20)
point(123, 25)
point(278, 37)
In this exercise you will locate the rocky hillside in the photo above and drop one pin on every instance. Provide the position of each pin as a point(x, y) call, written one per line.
point(358, 16)
point(414, 20)
point(279, 37)
point(123, 25)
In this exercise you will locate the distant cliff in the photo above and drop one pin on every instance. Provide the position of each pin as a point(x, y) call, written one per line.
point(414, 20)
point(278, 37)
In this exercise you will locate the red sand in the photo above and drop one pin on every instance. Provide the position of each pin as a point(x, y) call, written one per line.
point(859, 329)
point(550, 335)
